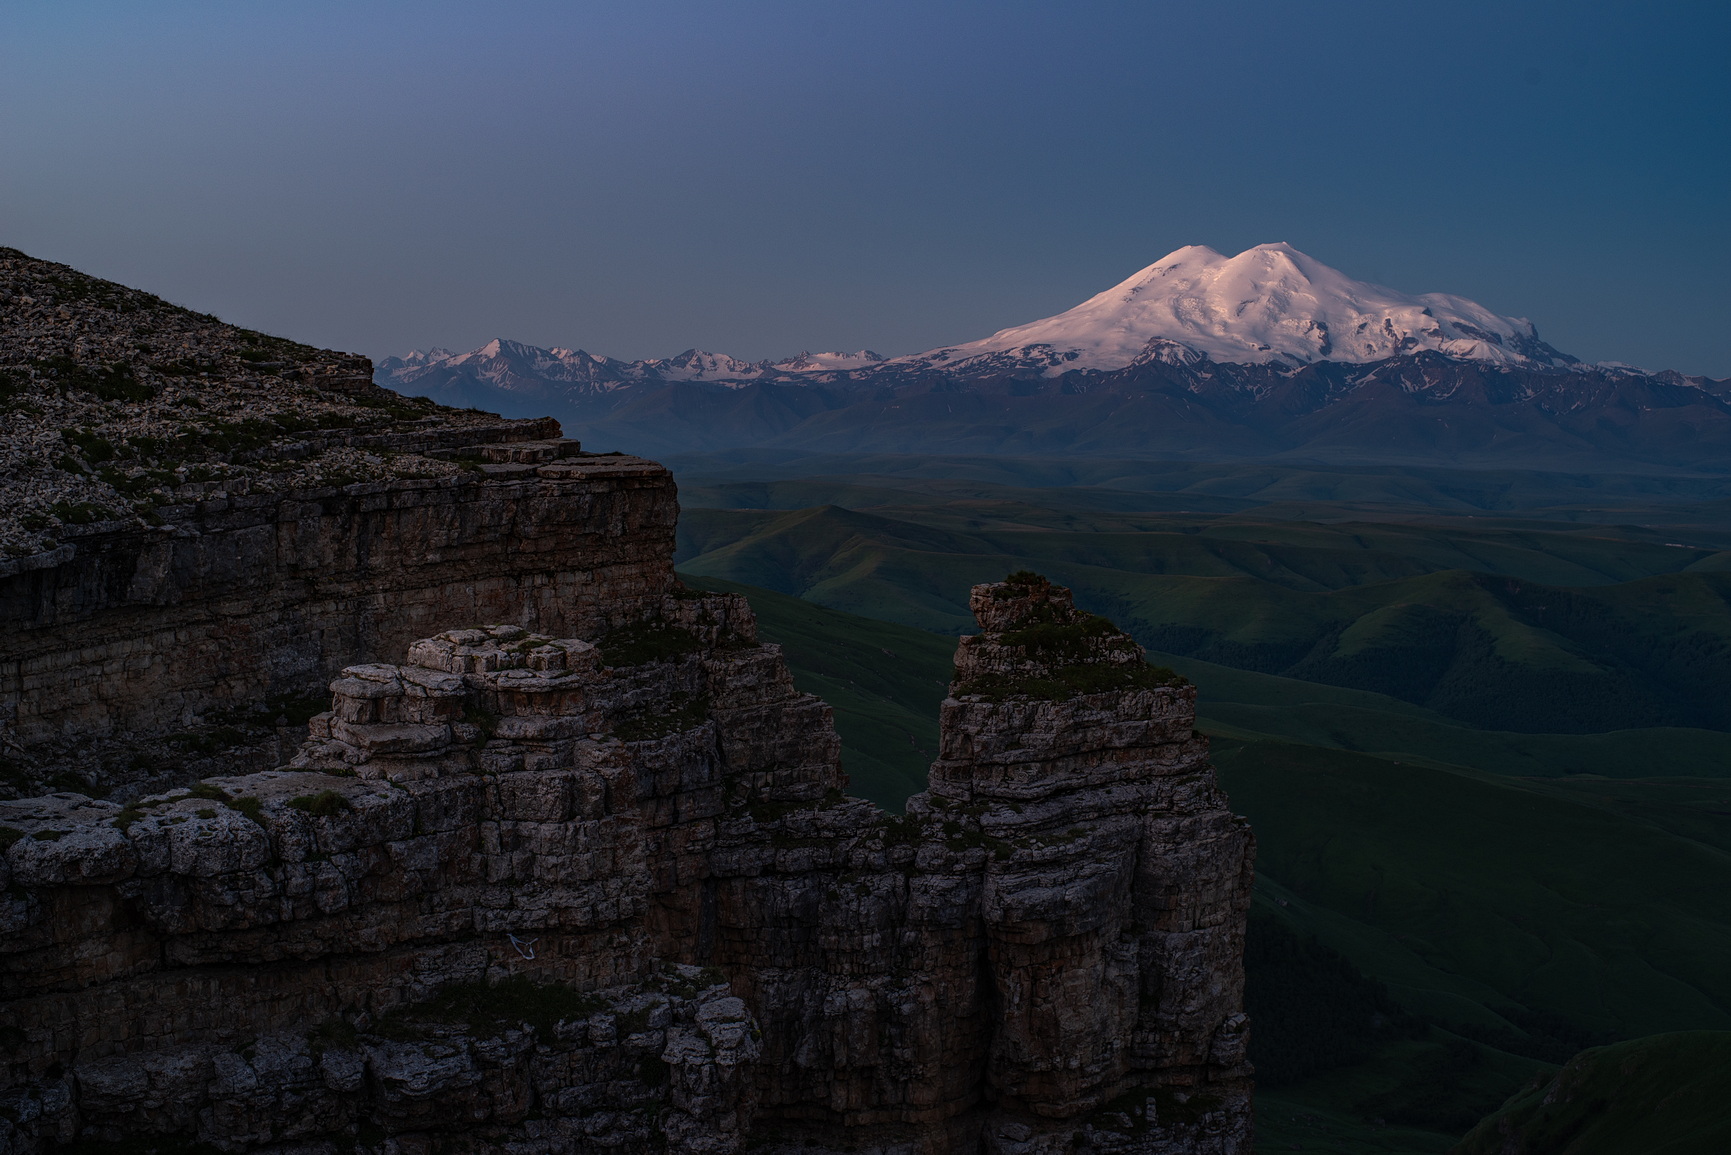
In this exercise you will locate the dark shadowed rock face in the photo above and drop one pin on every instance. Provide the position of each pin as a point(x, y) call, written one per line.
point(141, 651)
point(585, 880)
point(605, 893)
point(200, 524)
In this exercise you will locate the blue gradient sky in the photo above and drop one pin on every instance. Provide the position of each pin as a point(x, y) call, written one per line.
point(764, 177)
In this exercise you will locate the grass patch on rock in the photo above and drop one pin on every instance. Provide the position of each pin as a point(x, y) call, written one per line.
point(682, 711)
point(645, 642)
point(324, 804)
point(500, 1006)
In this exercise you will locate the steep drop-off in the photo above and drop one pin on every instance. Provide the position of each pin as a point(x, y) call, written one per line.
point(200, 524)
point(575, 871)
point(562, 895)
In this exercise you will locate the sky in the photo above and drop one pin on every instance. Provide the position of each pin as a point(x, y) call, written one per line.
point(760, 177)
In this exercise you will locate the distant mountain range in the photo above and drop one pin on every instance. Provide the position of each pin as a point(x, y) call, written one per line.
point(1267, 354)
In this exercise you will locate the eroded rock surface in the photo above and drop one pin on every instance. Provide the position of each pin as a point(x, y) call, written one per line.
point(148, 651)
point(200, 524)
point(606, 893)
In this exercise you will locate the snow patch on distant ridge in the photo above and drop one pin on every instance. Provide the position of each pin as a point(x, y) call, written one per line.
point(515, 366)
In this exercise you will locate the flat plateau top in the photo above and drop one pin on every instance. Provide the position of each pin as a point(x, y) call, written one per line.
point(586, 468)
point(115, 403)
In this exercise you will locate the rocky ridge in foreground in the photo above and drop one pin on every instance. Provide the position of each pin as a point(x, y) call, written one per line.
point(582, 880)
point(578, 895)
point(115, 403)
point(200, 524)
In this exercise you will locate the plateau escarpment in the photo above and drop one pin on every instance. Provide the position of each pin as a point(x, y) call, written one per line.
point(568, 864)
point(569, 895)
point(202, 524)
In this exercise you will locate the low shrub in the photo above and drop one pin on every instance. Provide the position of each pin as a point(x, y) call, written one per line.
point(324, 804)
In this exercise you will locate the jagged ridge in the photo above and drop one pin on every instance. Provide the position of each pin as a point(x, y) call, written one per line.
point(496, 906)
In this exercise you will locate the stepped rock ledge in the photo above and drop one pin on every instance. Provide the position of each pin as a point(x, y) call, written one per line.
point(567, 864)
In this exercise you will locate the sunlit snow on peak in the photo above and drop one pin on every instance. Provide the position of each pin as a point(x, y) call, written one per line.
point(1268, 303)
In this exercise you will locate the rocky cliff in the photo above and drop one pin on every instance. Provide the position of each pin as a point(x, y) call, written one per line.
point(583, 879)
point(572, 895)
point(200, 524)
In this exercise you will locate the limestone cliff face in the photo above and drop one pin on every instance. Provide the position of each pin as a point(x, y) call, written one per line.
point(200, 524)
point(606, 893)
point(585, 879)
point(126, 647)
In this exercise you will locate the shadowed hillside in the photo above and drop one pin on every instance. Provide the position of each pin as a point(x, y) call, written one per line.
point(1665, 1095)
point(1521, 630)
point(1471, 903)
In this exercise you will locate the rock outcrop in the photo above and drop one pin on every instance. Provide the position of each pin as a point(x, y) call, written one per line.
point(200, 524)
point(582, 880)
point(569, 895)
point(143, 646)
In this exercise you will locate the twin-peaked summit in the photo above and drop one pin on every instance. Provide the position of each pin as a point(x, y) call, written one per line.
point(1268, 304)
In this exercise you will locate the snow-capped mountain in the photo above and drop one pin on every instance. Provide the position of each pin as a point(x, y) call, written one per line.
point(510, 367)
point(1268, 304)
point(528, 369)
point(829, 362)
point(1266, 353)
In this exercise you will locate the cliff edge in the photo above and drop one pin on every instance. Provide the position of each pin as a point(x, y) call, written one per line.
point(200, 524)
point(560, 860)
point(543, 894)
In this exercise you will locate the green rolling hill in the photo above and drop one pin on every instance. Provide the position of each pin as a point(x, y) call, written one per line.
point(1506, 919)
point(1488, 906)
point(1640, 638)
point(1480, 723)
point(1663, 1095)
point(1660, 506)
point(1253, 706)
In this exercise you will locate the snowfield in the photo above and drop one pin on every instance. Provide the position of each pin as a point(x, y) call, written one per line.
point(1269, 303)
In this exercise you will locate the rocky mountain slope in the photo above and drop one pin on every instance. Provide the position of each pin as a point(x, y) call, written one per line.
point(536, 894)
point(1266, 354)
point(200, 523)
point(567, 864)
point(117, 403)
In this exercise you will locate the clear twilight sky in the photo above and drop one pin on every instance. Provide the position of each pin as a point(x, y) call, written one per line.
point(758, 178)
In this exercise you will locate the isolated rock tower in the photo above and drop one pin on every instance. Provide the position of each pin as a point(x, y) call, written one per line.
point(571, 895)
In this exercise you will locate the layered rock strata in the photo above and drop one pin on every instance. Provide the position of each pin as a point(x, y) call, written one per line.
point(605, 892)
point(127, 650)
point(200, 524)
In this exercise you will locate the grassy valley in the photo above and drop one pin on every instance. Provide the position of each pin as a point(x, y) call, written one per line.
point(1484, 757)
point(1663, 1095)
point(1526, 626)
